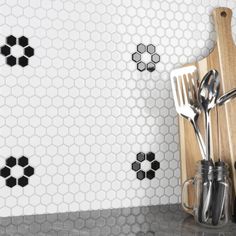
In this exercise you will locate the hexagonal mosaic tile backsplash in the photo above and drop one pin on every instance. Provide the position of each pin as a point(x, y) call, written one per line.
point(87, 119)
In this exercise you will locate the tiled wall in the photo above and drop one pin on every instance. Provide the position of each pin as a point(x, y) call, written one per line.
point(86, 113)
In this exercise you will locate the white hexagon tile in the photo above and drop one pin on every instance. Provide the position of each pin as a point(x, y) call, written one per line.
point(86, 113)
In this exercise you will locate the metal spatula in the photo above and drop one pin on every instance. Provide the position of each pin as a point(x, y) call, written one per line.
point(184, 83)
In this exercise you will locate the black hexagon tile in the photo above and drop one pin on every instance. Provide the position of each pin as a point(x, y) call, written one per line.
point(22, 178)
point(5, 172)
point(146, 57)
point(23, 161)
point(23, 181)
point(13, 44)
point(11, 61)
point(11, 182)
point(11, 40)
point(23, 41)
point(145, 165)
point(11, 161)
point(5, 50)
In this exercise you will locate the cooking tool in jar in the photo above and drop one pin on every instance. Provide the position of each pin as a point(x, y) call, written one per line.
point(218, 199)
point(206, 193)
point(208, 94)
point(223, 59)
point(219, 193)
point(184, 86)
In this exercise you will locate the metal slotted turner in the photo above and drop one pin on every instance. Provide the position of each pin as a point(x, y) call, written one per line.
point(184, 83)
point(186, 103)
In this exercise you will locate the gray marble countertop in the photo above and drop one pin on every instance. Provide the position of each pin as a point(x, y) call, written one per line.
point(139, 221)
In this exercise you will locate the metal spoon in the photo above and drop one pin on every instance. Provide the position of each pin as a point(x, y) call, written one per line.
point(208, 94)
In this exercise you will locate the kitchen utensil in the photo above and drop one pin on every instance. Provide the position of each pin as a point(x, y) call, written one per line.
point(219, 186)
point(184, 86)
point(206, 193)
point(227, 97)
point(223, 59)
point(208, 94)
point(219, 193)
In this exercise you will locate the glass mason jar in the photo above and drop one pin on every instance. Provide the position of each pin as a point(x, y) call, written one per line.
point(212, 194)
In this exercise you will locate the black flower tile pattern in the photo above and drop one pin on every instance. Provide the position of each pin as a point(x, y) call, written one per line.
point(23, 43)
point(23, 164)
point(150, 159)
point(150, 50)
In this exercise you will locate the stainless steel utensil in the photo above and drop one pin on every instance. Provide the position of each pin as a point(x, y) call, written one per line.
point(206, 190)
point(184, 83)
point(226, 97)
point(208, 94)
point(220, 185)
point(219, 193)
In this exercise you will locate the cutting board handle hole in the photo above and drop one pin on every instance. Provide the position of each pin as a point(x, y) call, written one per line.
point(223, 14)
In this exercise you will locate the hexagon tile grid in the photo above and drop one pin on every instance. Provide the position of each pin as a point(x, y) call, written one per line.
point(137, 221)
point(80, 106)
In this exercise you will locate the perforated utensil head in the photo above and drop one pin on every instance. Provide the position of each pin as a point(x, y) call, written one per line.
point(184, 82)
point(209, 90)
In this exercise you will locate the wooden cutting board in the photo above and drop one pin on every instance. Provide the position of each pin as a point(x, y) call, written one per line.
point(223, 59)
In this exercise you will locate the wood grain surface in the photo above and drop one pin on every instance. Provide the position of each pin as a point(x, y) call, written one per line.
point(223, 59)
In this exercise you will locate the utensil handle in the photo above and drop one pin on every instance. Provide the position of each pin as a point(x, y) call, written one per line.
point(208, 135)
point(200, 141)
point(185, 203)
point(206, 201)
point(227, 97)
point(219, 198)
